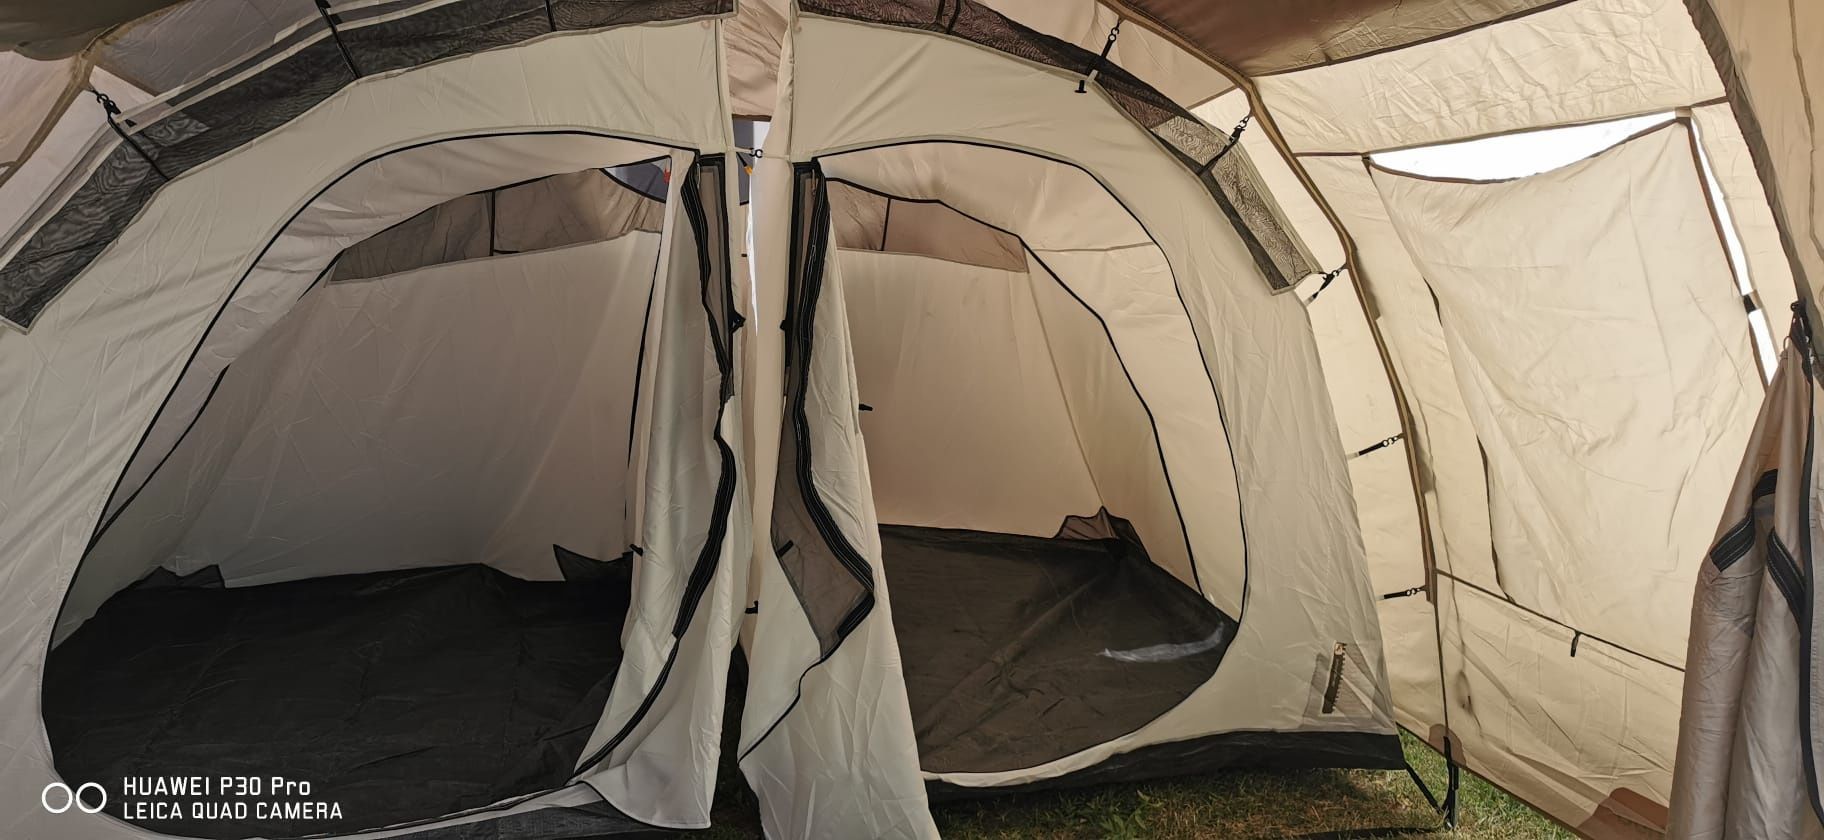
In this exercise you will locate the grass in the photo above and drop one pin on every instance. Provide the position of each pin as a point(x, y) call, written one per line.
point(1310, 804)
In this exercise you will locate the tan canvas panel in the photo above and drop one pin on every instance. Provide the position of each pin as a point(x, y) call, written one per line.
point(1580, 62)
point(1580, 730)
point(1260, 38)
point(1602, 350)
point(999, 453)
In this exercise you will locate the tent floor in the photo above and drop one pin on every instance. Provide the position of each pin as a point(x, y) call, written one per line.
point(1019, 650)
point(400, 696)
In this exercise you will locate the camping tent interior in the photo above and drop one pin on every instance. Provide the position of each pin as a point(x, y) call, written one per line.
point(1009, 458)
point(414, 487)
point(355, 369)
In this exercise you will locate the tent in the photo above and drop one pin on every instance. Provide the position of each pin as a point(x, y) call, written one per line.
point(1541, 386)
point(391, 406)
point(370, 426)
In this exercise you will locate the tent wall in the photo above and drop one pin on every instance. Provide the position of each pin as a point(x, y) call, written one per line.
point(968, 427)
point(475, 412)
point(1614, 259)
point(126, 329)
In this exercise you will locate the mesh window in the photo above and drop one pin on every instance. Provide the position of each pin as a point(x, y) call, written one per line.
point(1235, 187)
point(833, 582)
point(190, 132)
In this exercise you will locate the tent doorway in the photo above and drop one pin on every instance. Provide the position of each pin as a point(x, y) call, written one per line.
point(1045, 596)
point(391, 511)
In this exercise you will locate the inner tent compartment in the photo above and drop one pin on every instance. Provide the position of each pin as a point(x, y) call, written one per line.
point(389, 552)
point(1044, 592)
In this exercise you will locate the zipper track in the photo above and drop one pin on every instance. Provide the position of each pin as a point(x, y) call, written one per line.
point(809, 284)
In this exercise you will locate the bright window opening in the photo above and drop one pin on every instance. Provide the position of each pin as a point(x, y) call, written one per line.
point(1530, 153)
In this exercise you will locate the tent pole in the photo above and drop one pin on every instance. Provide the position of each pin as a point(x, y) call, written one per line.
point(1370, 311)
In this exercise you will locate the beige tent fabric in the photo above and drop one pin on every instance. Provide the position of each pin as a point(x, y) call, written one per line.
point(998, 452)
point(1603, 353)
point(1587, 738)
point(1258, 39)
point(1740, 772)
point(755, 35)
point(30, 91)
point(1583, 61)
point(1560, 682)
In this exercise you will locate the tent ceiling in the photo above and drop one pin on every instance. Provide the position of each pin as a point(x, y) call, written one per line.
point(56, 28)
point(1259, 38)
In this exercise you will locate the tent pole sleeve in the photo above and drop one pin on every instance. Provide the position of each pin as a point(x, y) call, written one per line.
point(1352, 261)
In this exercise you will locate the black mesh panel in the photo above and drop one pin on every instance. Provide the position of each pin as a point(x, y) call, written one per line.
point(833, 582)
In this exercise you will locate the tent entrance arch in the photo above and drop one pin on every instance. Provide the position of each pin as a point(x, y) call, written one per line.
point(1008, 376)
point(381, 536)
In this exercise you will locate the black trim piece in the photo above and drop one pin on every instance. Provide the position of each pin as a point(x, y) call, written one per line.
point(1735, 543)
point(95, 539)
point(1234, 140)
point(1786, 575)
point(335, 34)
point(781, 550)
point(111, 111)
point(802, 313)
point(706, 176)
point(1329, 277)
point(1378, 445)
point(1256, 750)
point(1096, 66)
point(1404, 593)
point(1766, 484)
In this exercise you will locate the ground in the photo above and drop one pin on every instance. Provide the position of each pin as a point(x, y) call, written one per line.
point(1333, 804)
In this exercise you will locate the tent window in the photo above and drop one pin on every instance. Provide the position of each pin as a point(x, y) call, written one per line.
point(834, 583)
point(587, 206)
point(1521, 154)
